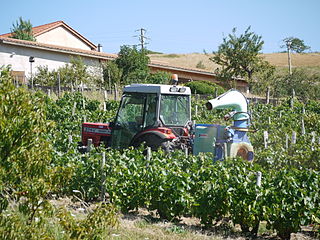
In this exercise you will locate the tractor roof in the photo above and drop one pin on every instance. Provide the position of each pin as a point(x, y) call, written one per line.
point(157, 88)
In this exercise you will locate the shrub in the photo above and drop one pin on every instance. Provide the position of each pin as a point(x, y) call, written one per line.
point(205, 87)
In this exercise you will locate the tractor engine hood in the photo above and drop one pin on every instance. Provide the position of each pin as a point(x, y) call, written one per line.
point(232, 99)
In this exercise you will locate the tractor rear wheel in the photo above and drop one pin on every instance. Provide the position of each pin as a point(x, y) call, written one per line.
point(154, 142)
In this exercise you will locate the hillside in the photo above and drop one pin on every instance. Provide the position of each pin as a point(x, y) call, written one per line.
point(280, 60)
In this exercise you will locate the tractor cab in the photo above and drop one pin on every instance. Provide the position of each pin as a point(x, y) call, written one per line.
point(151, 113)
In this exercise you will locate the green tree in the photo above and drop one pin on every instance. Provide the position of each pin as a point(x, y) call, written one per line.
point(238, 56)
point(71, 75)
point(22, 30)
point(111, 75)
point(159, 77)
point(295, 44)
point(24, 148)
point(306, 86)
point(133, 65)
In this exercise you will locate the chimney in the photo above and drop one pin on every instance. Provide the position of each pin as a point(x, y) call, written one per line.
point(99, 47)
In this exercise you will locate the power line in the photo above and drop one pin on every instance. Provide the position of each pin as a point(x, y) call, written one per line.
point(142, 37)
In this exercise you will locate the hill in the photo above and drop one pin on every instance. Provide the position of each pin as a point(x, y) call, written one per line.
point(198, 60)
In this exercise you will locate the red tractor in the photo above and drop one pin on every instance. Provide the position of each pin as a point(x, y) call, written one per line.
point(159, 115)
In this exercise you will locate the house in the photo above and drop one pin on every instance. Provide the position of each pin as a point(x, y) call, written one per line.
point(56, 43)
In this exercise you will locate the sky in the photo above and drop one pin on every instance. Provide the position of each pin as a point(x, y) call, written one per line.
point(173, 26)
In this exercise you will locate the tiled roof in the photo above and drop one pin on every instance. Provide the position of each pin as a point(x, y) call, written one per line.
point(56, 48)
point(49, 26)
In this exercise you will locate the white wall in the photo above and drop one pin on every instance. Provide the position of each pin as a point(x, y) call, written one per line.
point(62, 37)
point(19, 61)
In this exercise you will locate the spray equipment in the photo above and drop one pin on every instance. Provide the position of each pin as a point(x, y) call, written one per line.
point(236, 101)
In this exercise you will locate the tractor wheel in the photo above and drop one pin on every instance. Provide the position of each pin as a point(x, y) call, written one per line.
point(154, 142)
point(243, 150)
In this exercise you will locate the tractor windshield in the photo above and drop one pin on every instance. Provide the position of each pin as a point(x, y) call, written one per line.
point(137, 112)
point(175, 110)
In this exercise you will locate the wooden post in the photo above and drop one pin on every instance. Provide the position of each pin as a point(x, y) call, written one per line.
point(259, 177)
point(148, 153)
point(83, 104)
point(59, 85)
point(89, 146)
point(74, 108)
point(115, 92)
point(292, 98)
point(313, 140)
point(105, 95)
point(215, 92)
point(287, 141)
point(186, 152)
point(104, 106)
point(70, 139)
point(268, 95)
point(196, 111)
point(265, 139)
point(49, 93)
point(84, 118)
point(303, 129)
point(269, 120)
point(103, 177)
point(294, 138)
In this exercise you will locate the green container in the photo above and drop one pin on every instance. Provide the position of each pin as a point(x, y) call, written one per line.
point(206, 136)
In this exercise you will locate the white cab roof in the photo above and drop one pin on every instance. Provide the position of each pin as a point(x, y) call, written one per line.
point(157, 88)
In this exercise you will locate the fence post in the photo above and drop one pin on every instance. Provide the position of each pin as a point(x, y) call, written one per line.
point(303, 129)
point(74, 108)
point(294, 138)
point(313, 140)
point(70, 139)
point(259, 176)
point(115, 92)
point(103, 177)
point(268, 95)
point(105, 95)
point(265, 139)
point(104, 106)
point(196, 111)
point(148, 153)
point(89, 146)
point(287, 141)
point(292, 98)
point(59, 85)
point(186, 153)
point(215, 93)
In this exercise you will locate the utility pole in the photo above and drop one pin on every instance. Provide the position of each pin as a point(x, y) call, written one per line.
point(142, 37)
point(288, 43)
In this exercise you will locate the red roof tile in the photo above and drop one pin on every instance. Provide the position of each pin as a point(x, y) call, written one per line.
point(49, 26)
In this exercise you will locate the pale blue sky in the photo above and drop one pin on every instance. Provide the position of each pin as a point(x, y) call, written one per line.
point(176, 26)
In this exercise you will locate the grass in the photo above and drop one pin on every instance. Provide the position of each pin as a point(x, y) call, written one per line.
point(308, 61)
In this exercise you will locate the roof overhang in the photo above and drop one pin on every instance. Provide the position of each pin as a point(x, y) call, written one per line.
point(59, 49)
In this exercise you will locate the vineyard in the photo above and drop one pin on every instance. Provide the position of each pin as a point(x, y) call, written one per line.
point(40, 162)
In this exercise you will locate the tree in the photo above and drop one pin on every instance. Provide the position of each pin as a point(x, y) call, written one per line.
point(133, 64)
point(296, 45)
point(22, 30)
point(111, 75)
point(238, 56)
point(25, 151)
